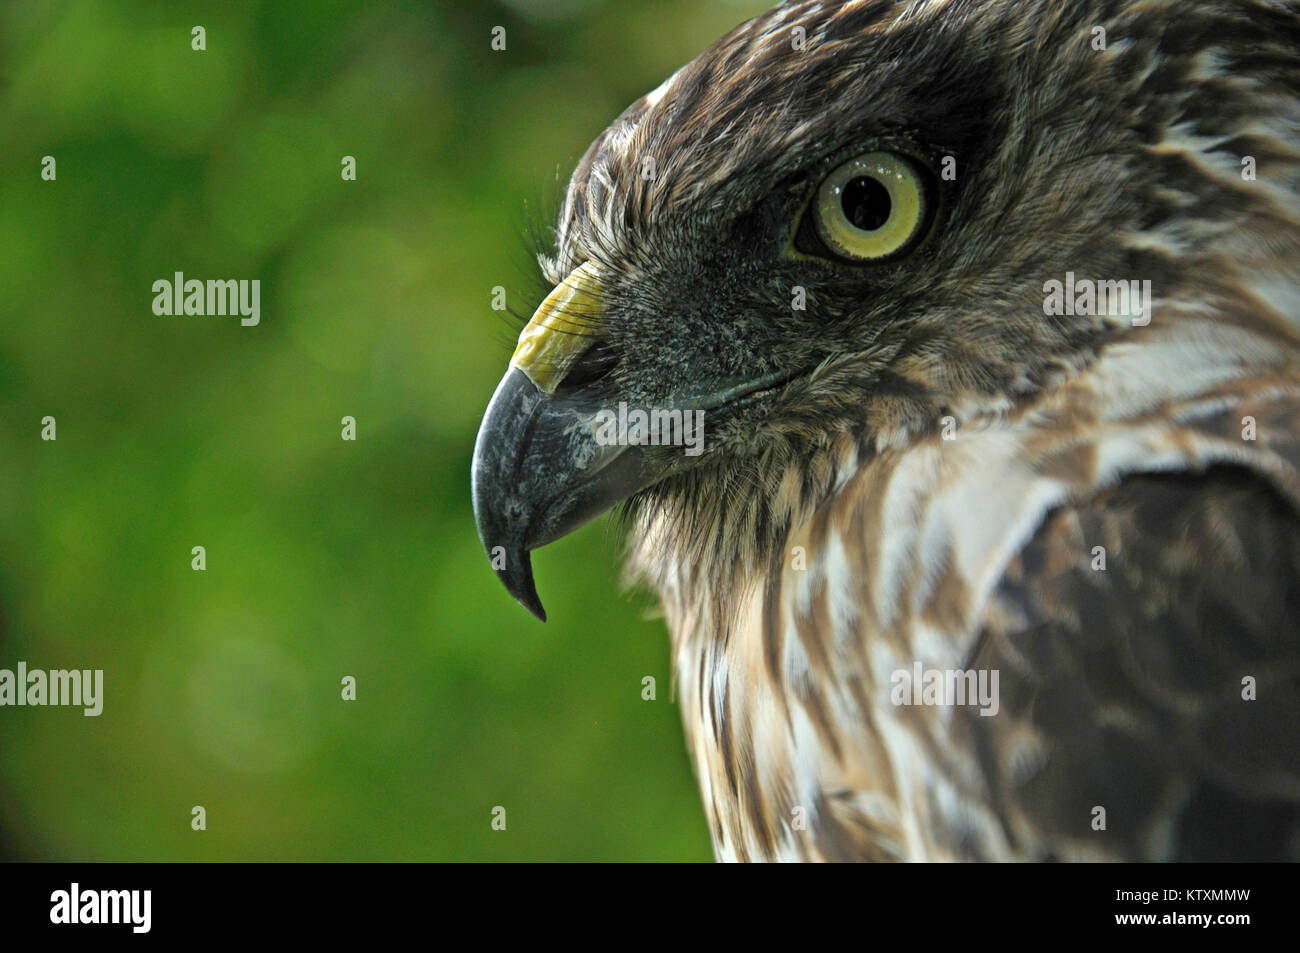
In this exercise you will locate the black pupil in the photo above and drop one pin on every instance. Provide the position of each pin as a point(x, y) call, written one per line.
point(866, 203)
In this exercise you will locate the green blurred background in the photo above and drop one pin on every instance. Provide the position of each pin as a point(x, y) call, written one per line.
point(325, 558)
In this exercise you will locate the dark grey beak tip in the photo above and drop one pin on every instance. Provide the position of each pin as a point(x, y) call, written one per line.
point(516, 573)
point(517, 577)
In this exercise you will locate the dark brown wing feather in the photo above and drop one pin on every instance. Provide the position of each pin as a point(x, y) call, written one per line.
point(1130, 679)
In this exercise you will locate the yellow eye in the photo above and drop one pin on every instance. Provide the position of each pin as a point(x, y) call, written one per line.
point(870, 206)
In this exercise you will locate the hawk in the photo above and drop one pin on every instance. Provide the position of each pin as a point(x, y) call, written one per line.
point(991, 314)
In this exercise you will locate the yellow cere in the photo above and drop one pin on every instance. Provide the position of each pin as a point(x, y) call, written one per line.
point(564, 327)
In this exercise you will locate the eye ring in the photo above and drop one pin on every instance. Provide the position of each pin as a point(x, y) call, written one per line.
point(870, 207)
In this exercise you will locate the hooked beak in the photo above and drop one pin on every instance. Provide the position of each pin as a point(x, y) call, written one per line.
point(539, 472)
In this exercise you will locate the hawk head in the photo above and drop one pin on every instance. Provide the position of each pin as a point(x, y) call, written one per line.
point(836, 227)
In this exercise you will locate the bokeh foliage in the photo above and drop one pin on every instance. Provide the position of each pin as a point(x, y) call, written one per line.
point(325, 558)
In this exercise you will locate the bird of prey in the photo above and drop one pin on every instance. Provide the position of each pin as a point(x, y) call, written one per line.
point(991, 313)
